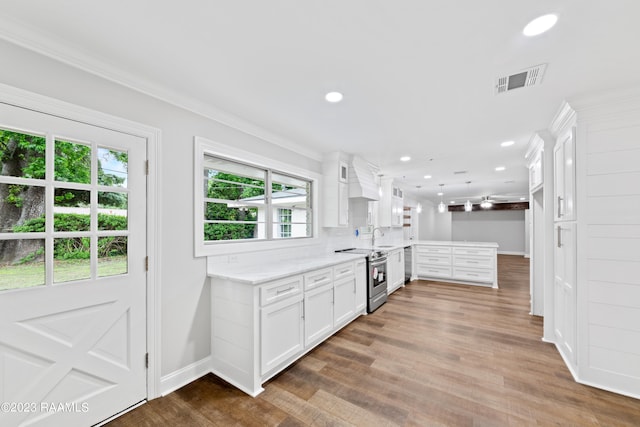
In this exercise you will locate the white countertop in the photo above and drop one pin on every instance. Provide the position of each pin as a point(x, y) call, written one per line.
point(455, 243)
point(261, 273)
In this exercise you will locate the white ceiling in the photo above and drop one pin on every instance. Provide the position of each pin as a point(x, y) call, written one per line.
point(417, 76)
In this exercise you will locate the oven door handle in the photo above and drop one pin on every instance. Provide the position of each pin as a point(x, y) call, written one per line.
point(378, 262)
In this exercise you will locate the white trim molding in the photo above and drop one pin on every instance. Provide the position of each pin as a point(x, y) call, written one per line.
point(204, 146)
point(47, 105)
point(183, 376)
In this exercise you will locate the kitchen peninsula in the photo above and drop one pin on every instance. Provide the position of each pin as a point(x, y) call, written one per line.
point(264, 317)
point(472, 263)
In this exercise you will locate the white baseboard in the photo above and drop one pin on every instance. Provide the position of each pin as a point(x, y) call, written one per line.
point(184, 376)
point(510, 253)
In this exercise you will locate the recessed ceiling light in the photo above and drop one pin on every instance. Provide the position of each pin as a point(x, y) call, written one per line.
point(452, 202)
point(523, 198)
point(427, 177)
point(333, 97)
point(440, 193)
point(500, 168)
point(507, 143)
point(540, 25)
point(405, 158)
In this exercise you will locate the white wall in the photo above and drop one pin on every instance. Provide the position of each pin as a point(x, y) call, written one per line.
point(185, 316)
point(433, 224)
point(507, 228)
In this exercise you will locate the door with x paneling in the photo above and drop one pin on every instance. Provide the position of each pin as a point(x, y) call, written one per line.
point(72, 270)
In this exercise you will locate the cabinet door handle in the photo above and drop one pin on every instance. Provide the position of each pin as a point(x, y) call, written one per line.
point(559, 236)
point(282, 291)
point(560, 210)
point(303, 308)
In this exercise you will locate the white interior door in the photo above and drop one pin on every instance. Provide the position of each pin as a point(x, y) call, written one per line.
point(72, 270)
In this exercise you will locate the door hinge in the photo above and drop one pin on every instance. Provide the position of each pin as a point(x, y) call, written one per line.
point(146, 263)
point(146, 360)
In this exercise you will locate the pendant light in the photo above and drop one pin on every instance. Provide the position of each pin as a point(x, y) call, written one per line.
point(441, 206)
point(486, 203)
point(468, 206)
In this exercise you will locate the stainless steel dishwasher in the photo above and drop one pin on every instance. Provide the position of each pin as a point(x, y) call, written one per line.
point(408, 264)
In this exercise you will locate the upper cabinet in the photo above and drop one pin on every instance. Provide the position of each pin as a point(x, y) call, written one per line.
point(564, 172)
point(335, 193)
point(390, 208)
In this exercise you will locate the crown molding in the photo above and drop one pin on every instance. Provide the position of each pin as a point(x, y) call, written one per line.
point(564, 117)
point(28, 37)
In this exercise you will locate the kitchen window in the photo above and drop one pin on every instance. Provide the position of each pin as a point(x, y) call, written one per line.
point(245, 202)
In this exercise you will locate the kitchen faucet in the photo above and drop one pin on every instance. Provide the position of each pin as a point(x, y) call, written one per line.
point(373, 236)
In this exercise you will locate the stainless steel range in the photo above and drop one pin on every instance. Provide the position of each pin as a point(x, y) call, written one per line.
point(376, 276)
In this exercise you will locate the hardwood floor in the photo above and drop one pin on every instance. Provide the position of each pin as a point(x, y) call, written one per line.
point(435, 354)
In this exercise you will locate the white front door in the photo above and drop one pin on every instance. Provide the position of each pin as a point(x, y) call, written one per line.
point(72, 270)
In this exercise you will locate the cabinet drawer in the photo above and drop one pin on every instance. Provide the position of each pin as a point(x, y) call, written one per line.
point(343, 270)
point(433, 259)
point(280, 289)
point(473, 251)
point(433, 249)
point(433, 271)
point(473, 261)
point(317, 278)
point(472, 274)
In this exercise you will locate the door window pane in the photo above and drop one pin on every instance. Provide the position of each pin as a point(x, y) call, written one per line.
point(112, 211)
point(71, 259)
point(112, 256)
point(112, 167)
point(72, 162)
point(21, 208)
point(21, 263)
point(22, 155)
point(71, 210)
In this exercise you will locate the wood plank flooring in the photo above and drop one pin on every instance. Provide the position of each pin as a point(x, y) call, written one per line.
point(436, 354)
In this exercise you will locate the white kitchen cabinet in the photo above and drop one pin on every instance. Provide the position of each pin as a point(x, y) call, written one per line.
point(318, 314)
point(344, 301)
point(344, 294)
point(595, 310)
point(361, 286)
point(564, 176)
point(281, 329)
point(335, 192)
point(261, 326)
point(395, 270)
point(565, 289)
point(536, 173)
point(391, 205)
point(459, 262)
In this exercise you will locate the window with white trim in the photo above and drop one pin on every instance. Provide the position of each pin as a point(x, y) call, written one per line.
point(244, 202)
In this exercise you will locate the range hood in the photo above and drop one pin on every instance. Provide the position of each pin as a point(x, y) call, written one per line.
point(362, 180)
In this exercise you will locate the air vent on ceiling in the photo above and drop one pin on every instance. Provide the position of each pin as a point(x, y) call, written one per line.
point(529, 77)
point(459, 172)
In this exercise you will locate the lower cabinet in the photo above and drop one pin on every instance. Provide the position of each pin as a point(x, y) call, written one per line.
point(258, 330)
point(361, 286)
point(344, 304)
point(318, 314)
point(458, 262)
point(281, 332)
point(395, 270)
point(564, 285)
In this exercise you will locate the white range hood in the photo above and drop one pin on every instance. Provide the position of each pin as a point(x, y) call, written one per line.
point(362, 180)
